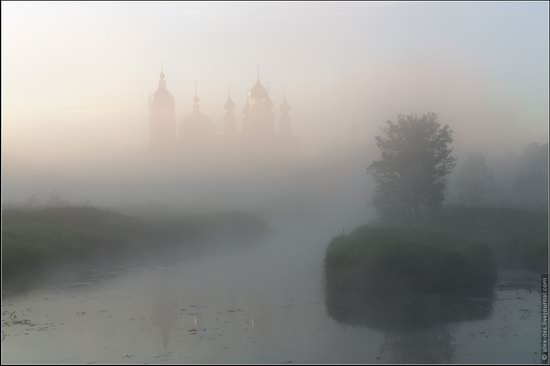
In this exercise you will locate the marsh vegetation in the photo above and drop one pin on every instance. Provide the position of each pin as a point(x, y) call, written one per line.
point(37, 241)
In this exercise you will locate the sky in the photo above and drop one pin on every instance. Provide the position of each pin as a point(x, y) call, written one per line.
point(76, 77)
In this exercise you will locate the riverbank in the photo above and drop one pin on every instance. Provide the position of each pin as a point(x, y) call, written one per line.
point(37, 241)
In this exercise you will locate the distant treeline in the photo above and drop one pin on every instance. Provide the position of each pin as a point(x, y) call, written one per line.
point(517, 180)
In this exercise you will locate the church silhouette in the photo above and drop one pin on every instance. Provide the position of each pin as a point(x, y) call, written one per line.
point(258, 134)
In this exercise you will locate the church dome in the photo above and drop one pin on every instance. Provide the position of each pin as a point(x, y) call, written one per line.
point(258, 92)
point(162, 95)
point(196, 123)
point(229, 105)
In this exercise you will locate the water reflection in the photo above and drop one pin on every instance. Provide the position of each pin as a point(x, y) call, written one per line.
point(417, 329)
point(432, 345)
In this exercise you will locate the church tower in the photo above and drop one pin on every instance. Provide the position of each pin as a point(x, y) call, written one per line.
point(269, 117)
point(229, 120)
point(196, 127)
point(162, 122)
point(285, 123)
point(259, 116)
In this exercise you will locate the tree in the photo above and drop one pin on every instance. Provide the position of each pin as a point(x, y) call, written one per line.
point(475, 180)
point(416, 158)
point(532, 180)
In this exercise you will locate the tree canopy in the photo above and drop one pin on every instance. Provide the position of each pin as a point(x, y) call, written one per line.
point(416, 157)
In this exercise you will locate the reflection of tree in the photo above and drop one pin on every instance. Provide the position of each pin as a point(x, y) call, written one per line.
point(418, 329)
point(393, 313)
point(432, 345)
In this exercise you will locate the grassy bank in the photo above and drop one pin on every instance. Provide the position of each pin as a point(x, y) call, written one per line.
point(34, 241)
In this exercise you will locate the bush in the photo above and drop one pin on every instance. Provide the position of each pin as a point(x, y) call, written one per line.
point(379, 261)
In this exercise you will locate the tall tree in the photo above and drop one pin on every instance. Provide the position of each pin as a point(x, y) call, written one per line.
point(416, 157)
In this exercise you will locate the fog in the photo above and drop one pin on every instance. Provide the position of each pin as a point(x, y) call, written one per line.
point(175, 174)
point(342, 64)
point(81, 108)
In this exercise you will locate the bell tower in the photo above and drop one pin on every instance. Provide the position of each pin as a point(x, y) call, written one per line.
point(162, 121)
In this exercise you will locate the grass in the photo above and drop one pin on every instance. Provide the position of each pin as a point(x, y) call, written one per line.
point(37, 240)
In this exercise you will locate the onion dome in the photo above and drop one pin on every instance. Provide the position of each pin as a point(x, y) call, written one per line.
point(196, 123)
point(196, 99)
point(258, 91)
point(162, 81)
point(162, 95)
point(229, 105)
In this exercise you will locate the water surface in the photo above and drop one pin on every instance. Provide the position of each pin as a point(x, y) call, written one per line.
point(262, 304)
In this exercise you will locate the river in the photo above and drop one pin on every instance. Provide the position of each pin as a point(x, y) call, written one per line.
point(263, 304)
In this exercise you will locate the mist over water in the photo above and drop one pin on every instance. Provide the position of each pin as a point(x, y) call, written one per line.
point(178, 179)
point(261, 305)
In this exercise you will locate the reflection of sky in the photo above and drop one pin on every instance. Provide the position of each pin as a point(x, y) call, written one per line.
point(106, 56)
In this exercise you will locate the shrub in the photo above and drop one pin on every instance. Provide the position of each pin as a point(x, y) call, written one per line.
point(380, 261)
